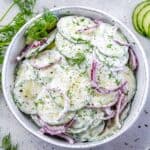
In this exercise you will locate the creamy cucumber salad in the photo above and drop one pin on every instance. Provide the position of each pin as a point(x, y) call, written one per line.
point(75, 78)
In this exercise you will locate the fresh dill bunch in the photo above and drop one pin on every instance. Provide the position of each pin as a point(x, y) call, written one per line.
point(41, 27)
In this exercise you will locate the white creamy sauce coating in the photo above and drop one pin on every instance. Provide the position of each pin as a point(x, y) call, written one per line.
point(55, 84)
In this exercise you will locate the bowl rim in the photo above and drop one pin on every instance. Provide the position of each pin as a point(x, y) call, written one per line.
point(78, 145)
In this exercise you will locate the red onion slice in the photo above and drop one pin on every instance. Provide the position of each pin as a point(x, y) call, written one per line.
point(67, 137)
point(93, 70)
point(133, 61)
point(70, 123)
point(46, 65)
point(98, 21)
point(118, 108)
point(123, 105)
point(88, 29)
point(122, 44)
point(110, 114)
point(53, 130)
point(108, 111)
point(59, 131)
point(27, 48)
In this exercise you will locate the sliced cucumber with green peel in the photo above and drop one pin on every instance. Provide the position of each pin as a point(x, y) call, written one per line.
point(135, 15)
point(141, 17)
point(136, 11)
point(146, 23)
point(149, 29)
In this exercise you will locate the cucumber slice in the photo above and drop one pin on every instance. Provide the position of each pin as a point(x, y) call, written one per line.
point(136, 11)
point(146, 23)
point(112, 61)
point(101, 100)
point(78, 92)
point(108, 131)
point(35, 119)
point(35, 50)
point(92, 134)
point(149, 30)
point(105, 39)
point(49, 111)
point(25, 94)
point(25, 72)
point(69, 49)
point(63, 78)
point(112, 79)
point(48, 57)
point(72, 28)
point(84, 120)
point(125, 113)
point(46, 76)
point(108, 79)
point(130, 88)
point(140, 16)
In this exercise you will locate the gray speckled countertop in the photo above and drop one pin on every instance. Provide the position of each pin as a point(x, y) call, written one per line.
point(136, 138)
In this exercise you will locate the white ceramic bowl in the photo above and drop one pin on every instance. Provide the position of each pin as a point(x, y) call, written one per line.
point(18, 43)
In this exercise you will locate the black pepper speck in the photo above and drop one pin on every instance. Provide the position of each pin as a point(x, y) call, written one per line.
point(145, 111)
point(137, 139)
point(125, 143)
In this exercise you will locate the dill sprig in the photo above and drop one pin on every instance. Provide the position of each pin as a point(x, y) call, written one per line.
point(7, 143)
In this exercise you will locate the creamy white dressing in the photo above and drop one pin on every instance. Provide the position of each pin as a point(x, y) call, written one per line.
point(56, 83)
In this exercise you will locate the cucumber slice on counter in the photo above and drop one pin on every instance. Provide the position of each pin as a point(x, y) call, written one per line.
point(141, 17)
point(146, 23)
point(136, 12)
